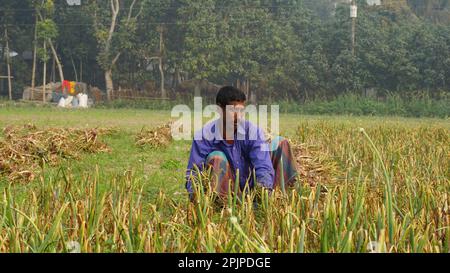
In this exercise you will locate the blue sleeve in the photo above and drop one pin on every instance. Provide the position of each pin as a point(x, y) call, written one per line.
point(199, 152)
point(260, 157)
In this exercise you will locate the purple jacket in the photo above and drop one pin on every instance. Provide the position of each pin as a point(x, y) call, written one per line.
point(249, 151)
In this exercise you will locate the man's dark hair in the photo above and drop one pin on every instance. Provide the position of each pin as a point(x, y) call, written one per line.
point(227, 94)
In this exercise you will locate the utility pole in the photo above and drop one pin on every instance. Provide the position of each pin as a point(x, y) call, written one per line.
point(8, 64)
point(161, 30)
point(353, 15)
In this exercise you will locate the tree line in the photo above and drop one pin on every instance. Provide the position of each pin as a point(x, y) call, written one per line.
point(278, 49)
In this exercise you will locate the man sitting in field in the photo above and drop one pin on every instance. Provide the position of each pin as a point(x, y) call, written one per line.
point(231, 143)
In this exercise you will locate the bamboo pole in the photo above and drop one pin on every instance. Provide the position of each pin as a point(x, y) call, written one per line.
point(33, 73)
point(45, 72)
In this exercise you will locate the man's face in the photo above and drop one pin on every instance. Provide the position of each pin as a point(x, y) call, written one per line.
point(233, 113)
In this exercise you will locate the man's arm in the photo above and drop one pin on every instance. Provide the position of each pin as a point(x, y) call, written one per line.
point(199, 152)
point(260, 157)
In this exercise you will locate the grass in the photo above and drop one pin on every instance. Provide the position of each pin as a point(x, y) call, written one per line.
point(414, 104)
point(387, 189)
point(393, 105)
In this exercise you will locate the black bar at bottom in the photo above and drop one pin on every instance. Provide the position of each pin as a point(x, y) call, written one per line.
point(223, 262)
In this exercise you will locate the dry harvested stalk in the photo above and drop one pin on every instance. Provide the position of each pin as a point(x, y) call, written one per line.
point(313, 167)
point(155, 138)
point(24, 149)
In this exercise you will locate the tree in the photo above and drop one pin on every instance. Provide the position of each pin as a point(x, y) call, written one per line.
point(48, 30)
point(114, 24)
point(75, 43)
point(199, 23)
point(6, 20)
point(287, 49)
point(241, 31)
point(304, 59)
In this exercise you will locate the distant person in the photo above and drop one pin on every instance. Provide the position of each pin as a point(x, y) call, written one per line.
point(225, 151)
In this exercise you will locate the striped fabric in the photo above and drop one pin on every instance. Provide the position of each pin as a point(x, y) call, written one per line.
point(223, 176)
point(283, 162)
